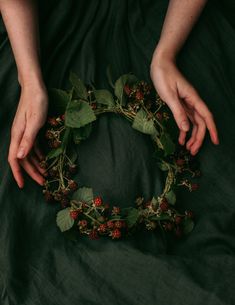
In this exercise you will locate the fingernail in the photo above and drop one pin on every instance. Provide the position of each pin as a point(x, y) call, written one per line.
point(20, 153)
point(185, 126)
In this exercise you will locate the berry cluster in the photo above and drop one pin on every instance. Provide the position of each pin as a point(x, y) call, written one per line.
point(98, 219)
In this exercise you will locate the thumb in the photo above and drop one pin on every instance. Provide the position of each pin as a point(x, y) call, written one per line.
point(179, 113)
point(27, 142)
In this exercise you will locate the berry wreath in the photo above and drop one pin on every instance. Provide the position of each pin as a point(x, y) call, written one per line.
point(139, 103)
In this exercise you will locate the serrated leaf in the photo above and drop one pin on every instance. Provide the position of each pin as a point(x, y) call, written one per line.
point(104, 97)
point(170, 196)
point(132, 217)
point(54, 153)
point(81, 133)
point(58, 101)
point(78, 85)
point(84, 194)
point(188, 225)
point(167, 143)
point(78, 114)
point(119, 86)
point(144, 125)
point(64, 220)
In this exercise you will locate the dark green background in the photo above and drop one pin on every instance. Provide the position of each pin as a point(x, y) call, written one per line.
point(38, 265)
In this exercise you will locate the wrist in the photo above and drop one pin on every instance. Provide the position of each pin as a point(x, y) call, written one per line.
point(163, 55)
point(31, 79)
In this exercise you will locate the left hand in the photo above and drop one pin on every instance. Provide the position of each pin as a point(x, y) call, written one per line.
point(184, 102)
point(29, 118)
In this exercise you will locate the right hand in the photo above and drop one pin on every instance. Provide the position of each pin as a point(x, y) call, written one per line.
point(30, 116)
point(184, 102)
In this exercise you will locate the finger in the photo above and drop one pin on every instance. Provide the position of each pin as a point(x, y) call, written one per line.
point(179, 113)
point(38, 151)
point(190, 114)
point(16, 136)
point(200, 135)
point(27, 141)
point(16, 171)
point(32, 171)
point(182, 137)
point(192, 138)
point(34, 160)
point(204, 112)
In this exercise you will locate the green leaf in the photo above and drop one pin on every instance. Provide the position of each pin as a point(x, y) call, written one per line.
point(78, 85)
point(142, 124)
point(120, 83)
point(162, 166)
point(161, 217)
point(58, 101)
point(83, 194)
point(132, 217)
point(171, 198)
point(54, 153)
point(78, 114)
point(81, 133)
point(72, 153)
point(64, 220)
point(167, 143)
point(65, 137)
point(188, 225)
point(109, 75)
point(104, 97)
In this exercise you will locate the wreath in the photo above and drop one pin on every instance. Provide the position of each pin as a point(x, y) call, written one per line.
point(71, 116)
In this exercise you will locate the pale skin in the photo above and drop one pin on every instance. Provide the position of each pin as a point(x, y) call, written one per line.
point(20, 18)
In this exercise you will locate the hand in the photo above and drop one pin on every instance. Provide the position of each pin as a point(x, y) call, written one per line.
point(29, 118)
point(184, 102)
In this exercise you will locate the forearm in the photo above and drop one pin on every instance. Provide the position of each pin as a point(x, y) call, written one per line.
point(20, 18)
point(180, 18)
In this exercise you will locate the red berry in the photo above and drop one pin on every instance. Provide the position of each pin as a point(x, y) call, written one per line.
point(48, 196)
point(83, 223)
point(93, 106)
point(62, 117)
point(164, 206)
point(194, 186)
point(102, 228)
point(127, 90)
point(116, 233)
point(64, 202)
point(116, 210)
point(118, 224)
point(180, 162)
point(159, 116)
point(98, 201)
point(189, 214)
point(178, 219)
point(139, 95)
point(110, 224)
point(168, 226)
point(55, 144)
point(49, 134)
point(72, 168)
point(52, 121)
point(72, 185)
point(93, 234)
point(74, 214)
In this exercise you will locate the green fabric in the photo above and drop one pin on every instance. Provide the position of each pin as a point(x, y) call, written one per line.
point(38, 265)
